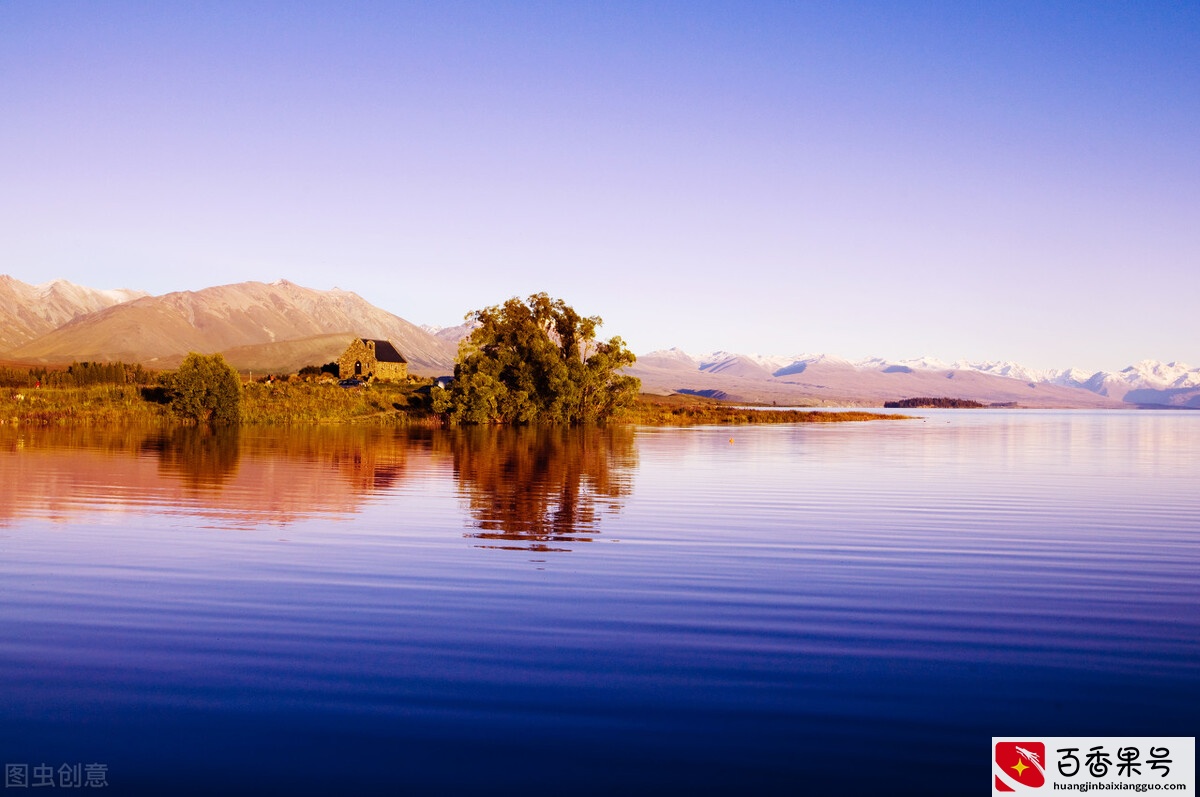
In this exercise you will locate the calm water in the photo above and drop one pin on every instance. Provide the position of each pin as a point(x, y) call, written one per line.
point(617, 612)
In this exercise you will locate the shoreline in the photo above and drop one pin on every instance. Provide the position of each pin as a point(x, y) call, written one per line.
point(303, 404)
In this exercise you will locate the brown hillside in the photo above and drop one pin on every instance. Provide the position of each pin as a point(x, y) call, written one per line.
point(29, 311)
point(289, 356)
point(158, 330)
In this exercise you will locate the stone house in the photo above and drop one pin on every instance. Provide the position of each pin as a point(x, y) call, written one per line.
point(377, 359)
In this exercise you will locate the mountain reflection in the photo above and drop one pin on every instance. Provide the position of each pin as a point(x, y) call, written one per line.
point(537, 488)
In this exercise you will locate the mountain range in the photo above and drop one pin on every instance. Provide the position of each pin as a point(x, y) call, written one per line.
point(278, 326)
point(281, 327)
point(825, 378)
point(29, 311)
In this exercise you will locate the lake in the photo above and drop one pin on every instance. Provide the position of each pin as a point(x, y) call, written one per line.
point(809, 609)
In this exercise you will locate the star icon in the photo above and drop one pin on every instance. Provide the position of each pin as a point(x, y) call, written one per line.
point(1020, 767)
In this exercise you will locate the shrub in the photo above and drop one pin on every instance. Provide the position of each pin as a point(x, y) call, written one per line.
point(206, 389)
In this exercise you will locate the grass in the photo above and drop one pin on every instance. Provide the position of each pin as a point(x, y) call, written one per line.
point(97, 405)
point(381, 404)
point(314, 403)
point(676, 410)
point(279, 404)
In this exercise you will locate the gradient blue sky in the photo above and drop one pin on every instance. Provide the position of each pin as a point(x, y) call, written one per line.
point(1016, 180)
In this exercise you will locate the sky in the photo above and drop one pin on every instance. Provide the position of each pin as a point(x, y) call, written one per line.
point(984, 181)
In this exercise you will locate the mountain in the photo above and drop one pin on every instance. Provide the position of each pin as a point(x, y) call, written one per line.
point(452, 334)
point(739, 365)
point(159, 330)
point(280, 357)
point(282, 326)
point(1150, 382)
point(669, 360)
point(30, 311)
point(825, 379)
point(1157, 375)
point(1157, 382)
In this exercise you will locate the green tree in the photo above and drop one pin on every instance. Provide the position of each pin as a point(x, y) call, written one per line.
point(206, 389)
point(537, 361)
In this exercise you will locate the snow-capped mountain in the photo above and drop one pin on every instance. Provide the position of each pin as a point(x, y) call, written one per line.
point(1072, 377)
point(1158, 375)
point(1003, 368)
point(1145, 383)
point(919, 363)
point(1147, 374)
point(451, 334)
point(746, 365)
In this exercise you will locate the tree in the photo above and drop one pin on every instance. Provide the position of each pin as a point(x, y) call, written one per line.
point(537, 361)
point(206, 389)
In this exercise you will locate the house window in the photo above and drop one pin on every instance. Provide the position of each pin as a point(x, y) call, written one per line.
point(358, 367)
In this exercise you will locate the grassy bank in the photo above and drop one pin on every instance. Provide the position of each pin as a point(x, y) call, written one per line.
point(279, 404)
point(284, 403)
point(679, 410)
point(96, 405)
point(314, 403)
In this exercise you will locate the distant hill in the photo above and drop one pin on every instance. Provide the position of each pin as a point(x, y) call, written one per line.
point(281, 327)
point(283, 357)
point(239, 319)
point(29, 311)
point(823, 379)
point(452, 334)
point(1150, 383)
point(1146, 383)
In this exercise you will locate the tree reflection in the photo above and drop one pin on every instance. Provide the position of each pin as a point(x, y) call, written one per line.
point(534, 488)
point(203, 458)
point(237, 478)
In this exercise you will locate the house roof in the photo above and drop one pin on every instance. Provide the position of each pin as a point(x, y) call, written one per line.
point(385, 352)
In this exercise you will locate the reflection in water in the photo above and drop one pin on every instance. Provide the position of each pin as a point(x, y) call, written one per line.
point(806, 594)
point(235, 478)
point(531, 489)
point(202, 458)
point(366, 460)
point(535, 488)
